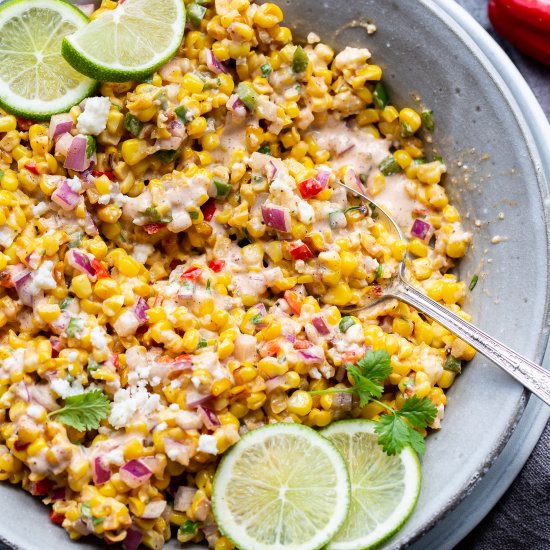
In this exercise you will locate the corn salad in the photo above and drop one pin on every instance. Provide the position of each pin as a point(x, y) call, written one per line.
point(182, 245)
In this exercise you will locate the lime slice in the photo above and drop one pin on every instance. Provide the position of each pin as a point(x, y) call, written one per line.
point(129, 42)
point(384, 489)
point(281, 486)
point(35, 80)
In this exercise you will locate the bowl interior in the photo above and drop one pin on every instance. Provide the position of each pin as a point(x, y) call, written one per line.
point(492, 177)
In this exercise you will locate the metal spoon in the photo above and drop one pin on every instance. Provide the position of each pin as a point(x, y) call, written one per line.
point(532, 376)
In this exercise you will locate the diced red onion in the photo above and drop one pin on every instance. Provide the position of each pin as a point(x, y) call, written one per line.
point(89, 226)
point(22, 392)
point(353, 180)
point(214, 64)
point(86, 9)
point(276, 217)
point(63, 144)
point(41, 394)
point(59, 493)
point(184, 498)
point(153, 463)
point(187, 290)
point(245, 347)
point(194, 399)
point(177, 451)
point(77, 158)
point(312, 356)
point(56, 344)
point(177, 132)
point(291, 338)
point(322, 177)
point(260, 306)
point(62, 322)
point(209, 417)
point(340, 374)
point(342, 401)
point(274, 383)
point(23, 285)
point(65, 196)
point(271, 170)
point(140, 310)
point(154, 509)
point(101, 471)
point(320, 325)
point(33, 260)
point(337, 220)
point(134, 473)
point(81, 262)
point(422, 230)
point(59, 125)
point(133, 539)
point(235, 104)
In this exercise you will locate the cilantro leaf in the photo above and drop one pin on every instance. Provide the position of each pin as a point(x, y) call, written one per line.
point(363, 387)
point(84, 411)
point(396, 430)
point(376, 365)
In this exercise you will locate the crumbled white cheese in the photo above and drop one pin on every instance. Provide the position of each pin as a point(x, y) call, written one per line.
point(72, 356)
point(155, 381)
point(104, 199)
point(187, 420)
point(161, 426)
point(208, 444)
point(98, 339)
point(306, 212)
point(175, 383)
point(196, 381)
point(35, 411)
point(42, 278)
point(129, 402)
point(174, 407)
point(65, 389)
point(93, 119)
point(355, 334)
point(126, 324)
point(141, 252)
point(313, 38)
point(39, 209)
point(75, 184)
point(314, 373)
point(116, 456)
point(351, 58)
point(7, 236)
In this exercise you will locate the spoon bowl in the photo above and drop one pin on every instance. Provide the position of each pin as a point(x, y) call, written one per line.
point(529, 374)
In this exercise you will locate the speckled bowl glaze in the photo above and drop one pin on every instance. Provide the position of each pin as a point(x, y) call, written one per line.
point(490, 132)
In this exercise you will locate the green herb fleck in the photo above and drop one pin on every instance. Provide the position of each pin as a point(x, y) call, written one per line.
point(380, 96)
point(406, 130)
point(167, 155)
point(76, 240)
point(202, 343)
point(64, 303)
point(83, 411)
point(428, 122)
point(90, 146)
point(389, 166)
point(248, 96)
point(87, 513)
point(300, 60)
point(257, 319)
point(195, 13)
point(189, 527)
point(194, 215)
point(265, 149)
point(345, 323)
point(154, 215)
point(473, 282)
point(132, 124)
point(266, 70)
point(74, 327)
point(379, 270)
point(93, 365)
point(181, 112)
point(222, 188)
point(453, 364)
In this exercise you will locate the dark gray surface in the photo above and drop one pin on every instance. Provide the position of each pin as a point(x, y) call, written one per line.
point(521, 518)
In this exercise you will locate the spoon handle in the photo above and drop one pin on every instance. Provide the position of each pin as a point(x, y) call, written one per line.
point(532, 376)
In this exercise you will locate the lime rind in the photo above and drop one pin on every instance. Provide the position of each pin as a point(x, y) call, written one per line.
point(290, 458)
point(35, 80)
point(380, 513)
point(142, 35)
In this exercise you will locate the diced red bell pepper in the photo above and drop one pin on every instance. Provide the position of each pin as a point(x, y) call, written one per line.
point(152, 228)
point(269, 349)
point(526, 24)
point(302, 344)
point(208, 209)
point(41, 488)
point(294, 300)
point(5, 279)
point(20, 446)
point(115, 360)
point(310, 187)
point(300, 251)
point(216, 265)
point(57, 518)
point(99, 173)
point(191, 274)
point(100, 269)
point(31, 167)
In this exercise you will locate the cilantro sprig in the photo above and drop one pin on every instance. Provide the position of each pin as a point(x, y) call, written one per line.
point(83, 411)
point(396, 429)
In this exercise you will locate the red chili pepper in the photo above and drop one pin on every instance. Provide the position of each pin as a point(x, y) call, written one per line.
point(40, 488)
point(300, 251)
point(216, 265)
point(294, 300)
point(57, 518)
point(269, 349)
point(31, 167)
point(525, 23)
point(5, 280)
point(98, 173)
point(24, 124)
point(114, 360)
point(152, 228)
point(191, 274)
point(208, 209)
point(310, 187)
point(302, 344)
point(99, 269)
point(20, 446)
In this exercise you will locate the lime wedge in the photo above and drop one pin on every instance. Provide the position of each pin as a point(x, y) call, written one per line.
point(281, 486)
point(384, 489)
point(35, 80)
point(129, 42)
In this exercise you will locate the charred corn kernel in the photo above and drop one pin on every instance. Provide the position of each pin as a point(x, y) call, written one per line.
point(418, 248)
point(268, 15)
point(9, 181)
point(219, 386)
point(430, 173)
point(37, 446)
point(300, 403)
point(256, 400)
point(48, 312)
point(106, 288)
point(137, 507)
point(197, 126)
point(389, 113)
point(422, 268)
point(271, 366)
point(81, 286)
point(192, 83)
point(134, 151)
point(338, 295)
point(410, 119)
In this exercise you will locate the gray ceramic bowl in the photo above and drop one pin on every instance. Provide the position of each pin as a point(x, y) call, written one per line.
point(499, 181)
